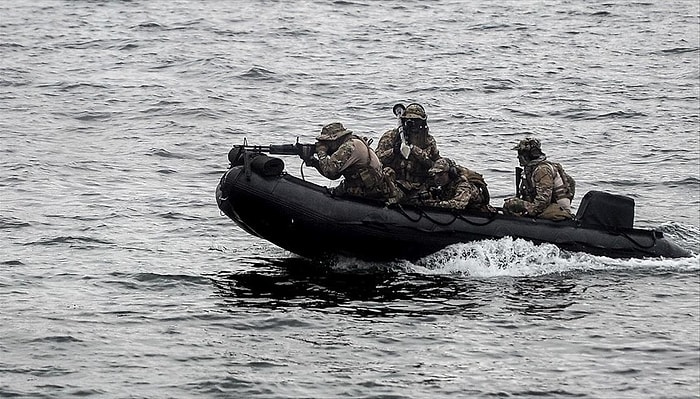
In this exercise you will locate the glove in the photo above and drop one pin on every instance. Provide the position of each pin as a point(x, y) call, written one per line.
point(307, 153)
point(313, 162)
point(321, 147)
point(514, 206)
point(424, 195)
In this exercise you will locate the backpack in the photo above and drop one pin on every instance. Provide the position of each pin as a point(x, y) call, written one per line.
point(477, 179)
point(569, 182)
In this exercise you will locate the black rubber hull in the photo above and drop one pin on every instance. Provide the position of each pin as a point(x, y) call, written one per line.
point(303, 218)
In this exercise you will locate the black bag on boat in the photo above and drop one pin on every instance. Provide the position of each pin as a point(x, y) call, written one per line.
point(601, 209)
point(267, 166)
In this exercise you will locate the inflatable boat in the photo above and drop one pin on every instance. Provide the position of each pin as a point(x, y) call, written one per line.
point(308, 220)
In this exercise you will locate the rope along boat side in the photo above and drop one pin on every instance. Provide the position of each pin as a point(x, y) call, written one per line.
point(306, 219)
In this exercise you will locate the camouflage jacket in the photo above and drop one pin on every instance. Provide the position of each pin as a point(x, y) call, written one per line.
point(467, 190)
point(414, 170)
point(360, 168)
point(541, 186)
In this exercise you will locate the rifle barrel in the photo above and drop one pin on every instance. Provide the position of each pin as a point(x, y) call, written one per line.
point(278, 149)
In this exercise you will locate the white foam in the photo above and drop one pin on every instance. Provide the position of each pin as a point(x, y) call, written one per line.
point(520, 258)
point(517, 257)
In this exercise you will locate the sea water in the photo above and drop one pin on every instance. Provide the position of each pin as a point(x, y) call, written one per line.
point(119, 277)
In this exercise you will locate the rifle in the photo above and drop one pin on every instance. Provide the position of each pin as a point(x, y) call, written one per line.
point(304, 151)
point(518, 180)
point(252, 157)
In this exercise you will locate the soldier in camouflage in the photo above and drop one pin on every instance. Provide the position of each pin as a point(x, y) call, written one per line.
point(456, 187)
point(409, 151)
point(342, 154)
point(545, 190)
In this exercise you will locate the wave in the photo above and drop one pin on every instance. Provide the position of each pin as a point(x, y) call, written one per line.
point(505, 257)
point(72, 240)
point(259, 73)
point(681, 50)
point(459, 279)
point(577, 114)
point(148, 25)
point(8, 222)
point(508, 257)
point(156, 281)
point(686, 236)
point(161, 152)
point(166, 279)
point(65, 86)
point(57, 339)
point(520, 258)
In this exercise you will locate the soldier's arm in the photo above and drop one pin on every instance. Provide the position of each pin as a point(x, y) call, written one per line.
point(332, 165)
point(450, 204)
point(432, 149)
point(428, 155)
point(465, 193)
point(385, 148)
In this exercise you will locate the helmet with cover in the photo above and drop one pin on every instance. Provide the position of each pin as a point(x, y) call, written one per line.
point(415, 123)
point(414, 111)
point(441, 165)
point(528, 144)
point(529, 149)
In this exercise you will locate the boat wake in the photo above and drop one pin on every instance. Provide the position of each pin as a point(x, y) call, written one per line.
point(520, 258)
point(458, 279)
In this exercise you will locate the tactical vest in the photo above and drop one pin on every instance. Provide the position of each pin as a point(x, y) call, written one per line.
point(564, 185)
point(364, 180)
point(409, 170)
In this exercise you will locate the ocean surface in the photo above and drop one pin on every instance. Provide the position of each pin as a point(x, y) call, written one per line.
point(120, 278)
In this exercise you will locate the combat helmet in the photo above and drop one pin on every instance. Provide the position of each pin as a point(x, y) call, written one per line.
point(414, 111)
point(528, 145)
point(333, 131)
point(441, 165)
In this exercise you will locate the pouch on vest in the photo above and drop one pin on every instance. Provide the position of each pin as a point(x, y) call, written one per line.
point(369, 177)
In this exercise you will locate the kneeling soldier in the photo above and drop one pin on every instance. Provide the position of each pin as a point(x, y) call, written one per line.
point(342, 154)
point(456, 187)
point(545, 189)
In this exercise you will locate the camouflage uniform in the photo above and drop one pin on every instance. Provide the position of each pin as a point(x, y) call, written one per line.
point(355, 162)
point(463, 189)
point(544, 191)
point(410, 173)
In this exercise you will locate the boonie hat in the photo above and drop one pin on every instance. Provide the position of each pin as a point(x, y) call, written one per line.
point(333, 131)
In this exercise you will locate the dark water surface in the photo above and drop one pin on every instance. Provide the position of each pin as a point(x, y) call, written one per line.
point(120, 278)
